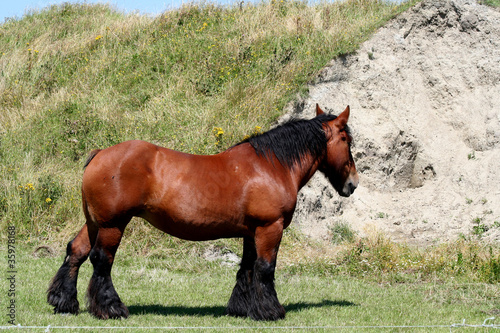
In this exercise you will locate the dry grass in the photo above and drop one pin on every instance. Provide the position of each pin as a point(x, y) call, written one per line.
point(376, 257)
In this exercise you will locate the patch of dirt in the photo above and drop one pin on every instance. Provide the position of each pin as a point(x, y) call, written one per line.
point(222, 255)
point(424, 94)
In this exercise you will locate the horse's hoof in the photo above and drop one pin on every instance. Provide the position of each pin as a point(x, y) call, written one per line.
point(121, 311)
point(268, 314)
point(115, 311)
point(235, 313)
point(62, 305)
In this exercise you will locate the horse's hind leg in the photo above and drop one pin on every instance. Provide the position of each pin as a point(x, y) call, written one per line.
point(239, 303)
point(62, 292)
point(103, 300)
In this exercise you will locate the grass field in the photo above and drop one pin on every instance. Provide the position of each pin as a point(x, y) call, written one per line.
point(321, 286)
point(196, 296)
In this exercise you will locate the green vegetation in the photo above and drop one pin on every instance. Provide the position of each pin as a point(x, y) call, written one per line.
point(196, 296)
point(492, 3)
point(377, 258)
point(342, 233)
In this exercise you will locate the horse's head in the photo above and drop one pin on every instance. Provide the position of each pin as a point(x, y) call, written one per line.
point(338, 164)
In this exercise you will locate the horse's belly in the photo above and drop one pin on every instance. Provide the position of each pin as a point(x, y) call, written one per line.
point(197, 228)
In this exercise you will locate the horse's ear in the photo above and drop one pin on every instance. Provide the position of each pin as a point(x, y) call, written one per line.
point(343, 117)
point(318, 110)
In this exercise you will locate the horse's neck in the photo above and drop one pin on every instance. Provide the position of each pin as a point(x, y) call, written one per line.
point(302, 173)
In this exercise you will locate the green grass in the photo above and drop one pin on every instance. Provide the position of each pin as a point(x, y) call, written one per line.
point(197, 295)
point(342, 232)
point(371, 281)
point(492, 3)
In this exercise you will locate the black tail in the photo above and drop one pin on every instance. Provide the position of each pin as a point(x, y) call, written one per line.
point(91, 156)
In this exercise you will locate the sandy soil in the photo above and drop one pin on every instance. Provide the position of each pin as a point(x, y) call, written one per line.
point(424, 94)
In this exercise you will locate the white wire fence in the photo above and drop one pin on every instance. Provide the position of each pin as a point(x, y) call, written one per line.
point(487, 323)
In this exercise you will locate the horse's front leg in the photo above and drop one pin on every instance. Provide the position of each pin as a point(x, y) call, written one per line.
point(239, 303)
point(264, 304)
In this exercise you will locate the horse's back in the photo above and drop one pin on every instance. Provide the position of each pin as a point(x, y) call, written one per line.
point(178, 193)
point(126, 158)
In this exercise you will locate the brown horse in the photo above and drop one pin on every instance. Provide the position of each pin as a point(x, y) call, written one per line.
point(249, 191)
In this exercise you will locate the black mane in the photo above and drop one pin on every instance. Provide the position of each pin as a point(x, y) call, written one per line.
point(293, 140)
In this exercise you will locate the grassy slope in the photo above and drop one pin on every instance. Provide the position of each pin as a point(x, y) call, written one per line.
point(76, 77)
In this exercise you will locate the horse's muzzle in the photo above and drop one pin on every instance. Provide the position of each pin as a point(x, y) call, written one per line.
point(350, 185)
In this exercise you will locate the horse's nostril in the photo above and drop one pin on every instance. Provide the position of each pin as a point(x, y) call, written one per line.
point(352, 187)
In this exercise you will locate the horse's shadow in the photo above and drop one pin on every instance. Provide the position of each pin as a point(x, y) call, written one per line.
point(218, 311)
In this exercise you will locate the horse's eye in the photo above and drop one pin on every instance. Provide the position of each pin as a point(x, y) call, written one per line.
point(344, 138)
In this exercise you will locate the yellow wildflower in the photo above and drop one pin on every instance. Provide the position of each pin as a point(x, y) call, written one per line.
point(218, 131)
